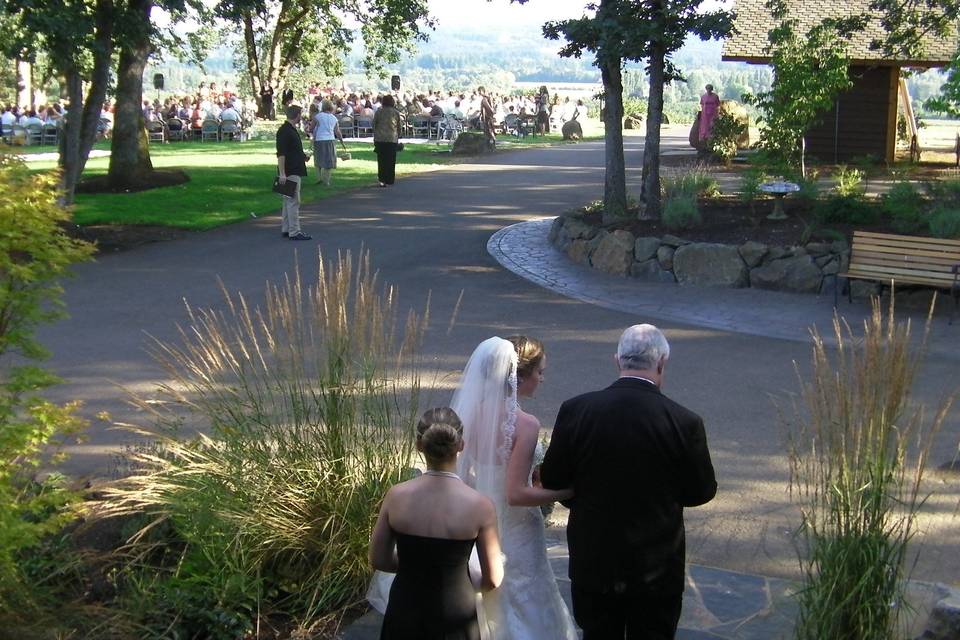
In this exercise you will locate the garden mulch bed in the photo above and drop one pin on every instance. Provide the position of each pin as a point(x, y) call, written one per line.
point(731, 221)
point(111, 238)
point(154, 180)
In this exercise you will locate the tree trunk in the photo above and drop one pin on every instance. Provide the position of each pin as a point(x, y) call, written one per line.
point(650, 191)
point(130, 161)
point(25, 95)
point(70, 140)
point(79, 135)
point(615, 175)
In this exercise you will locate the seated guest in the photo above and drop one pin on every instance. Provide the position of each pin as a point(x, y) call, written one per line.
point(213, 111)
point(31, 118)
point(425, 533)
point(435, 110)
point(53, 114)
point(230, 114)
point(196, 118)
point(7, 119)
point(456, 111)
point(367, 110)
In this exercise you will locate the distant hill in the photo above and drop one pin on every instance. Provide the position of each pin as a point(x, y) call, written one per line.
point(458, 59)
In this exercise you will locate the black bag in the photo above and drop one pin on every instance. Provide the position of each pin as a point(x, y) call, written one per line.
point(288, 188)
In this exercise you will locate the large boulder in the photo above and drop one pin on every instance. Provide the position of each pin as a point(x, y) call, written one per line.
point(739, 113)
point(665, 257)
point(752, 252)
point(572, 130)
point(633, 121)
point(579, 251)
point(614, 253)
point(645, 248)
point(650, 271)
point(708, 264)
point(944, 621)
point(798, 273)
point(578, 229)
point(471, 143)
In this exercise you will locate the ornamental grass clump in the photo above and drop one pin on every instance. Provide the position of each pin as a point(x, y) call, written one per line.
point(307, 406)
point(858, 450)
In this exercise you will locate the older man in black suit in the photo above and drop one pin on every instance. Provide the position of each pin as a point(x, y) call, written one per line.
point(635, 459)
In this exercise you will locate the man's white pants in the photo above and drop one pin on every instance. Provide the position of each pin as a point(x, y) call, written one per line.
point(290, 211)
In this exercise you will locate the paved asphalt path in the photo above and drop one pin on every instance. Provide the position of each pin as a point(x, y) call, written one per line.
point(428, 235)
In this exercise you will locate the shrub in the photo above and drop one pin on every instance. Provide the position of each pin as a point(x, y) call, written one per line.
point(857, 455)
point(727, 131)
point(310, 404)
point(945, 192)
point(945, 223)
point(681, 212)
point(693, 180)
point(846, 210)
point(750, 182)
point(849, 181)
point(34, 254)
point(904, 204)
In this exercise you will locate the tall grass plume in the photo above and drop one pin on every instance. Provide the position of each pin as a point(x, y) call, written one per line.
point(858, 449)
point(306, 408)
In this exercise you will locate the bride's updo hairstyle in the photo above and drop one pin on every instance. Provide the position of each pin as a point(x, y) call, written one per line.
point(529, 354)
point(439, 433)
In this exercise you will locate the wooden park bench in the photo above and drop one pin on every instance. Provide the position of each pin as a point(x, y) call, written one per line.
point(894, 259)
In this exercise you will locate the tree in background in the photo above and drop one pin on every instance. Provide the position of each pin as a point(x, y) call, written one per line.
point(279, 35)
point(77, 37)
point(636, 30)
point(810, 70)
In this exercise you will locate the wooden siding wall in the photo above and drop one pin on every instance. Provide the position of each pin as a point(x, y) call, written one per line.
point(867, 116)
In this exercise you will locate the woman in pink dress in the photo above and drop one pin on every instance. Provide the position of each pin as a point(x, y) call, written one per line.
point(709, 107)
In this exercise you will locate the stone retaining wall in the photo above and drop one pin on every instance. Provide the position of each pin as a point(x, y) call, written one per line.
point(673, 259)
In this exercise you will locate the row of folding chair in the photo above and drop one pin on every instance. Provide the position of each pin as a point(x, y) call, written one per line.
point(33, 134)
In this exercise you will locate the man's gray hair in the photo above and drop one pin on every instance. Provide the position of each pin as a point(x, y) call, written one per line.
point(641, 347)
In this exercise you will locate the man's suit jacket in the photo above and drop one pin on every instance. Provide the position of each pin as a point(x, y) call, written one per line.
point(634, 458)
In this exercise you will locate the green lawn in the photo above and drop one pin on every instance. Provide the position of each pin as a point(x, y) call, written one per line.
point(230, 181)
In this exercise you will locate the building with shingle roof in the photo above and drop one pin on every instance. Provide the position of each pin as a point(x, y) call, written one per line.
point(864, 118)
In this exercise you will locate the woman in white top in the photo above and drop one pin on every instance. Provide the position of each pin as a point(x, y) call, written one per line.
point(326, 131)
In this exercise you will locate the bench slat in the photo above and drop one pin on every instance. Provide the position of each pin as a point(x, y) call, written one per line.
point(897, 238)
point(896, 281)
point(940, 256)
point(899, 261)
point(910, 245)
point(888, 273)
point(917, 249)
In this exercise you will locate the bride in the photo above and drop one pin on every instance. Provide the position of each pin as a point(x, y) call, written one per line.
point(501, 449)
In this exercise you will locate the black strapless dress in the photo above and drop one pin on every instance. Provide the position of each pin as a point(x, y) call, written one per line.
point(431, 597)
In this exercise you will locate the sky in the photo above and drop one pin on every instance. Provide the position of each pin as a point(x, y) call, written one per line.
point(481, 13)
point(492, 13)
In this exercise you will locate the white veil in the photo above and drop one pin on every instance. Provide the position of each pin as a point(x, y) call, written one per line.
point(486, 402)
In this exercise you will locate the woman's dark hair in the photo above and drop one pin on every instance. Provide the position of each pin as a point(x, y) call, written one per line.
point(529, 354)
point(388, 101)
point(439, 433)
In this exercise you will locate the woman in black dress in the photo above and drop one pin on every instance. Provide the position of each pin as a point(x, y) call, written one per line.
point(425, 533)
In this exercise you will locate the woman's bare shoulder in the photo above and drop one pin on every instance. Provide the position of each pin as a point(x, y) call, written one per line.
point(527, 421)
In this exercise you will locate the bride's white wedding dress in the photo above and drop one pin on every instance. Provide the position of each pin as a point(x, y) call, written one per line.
point(527, 605)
